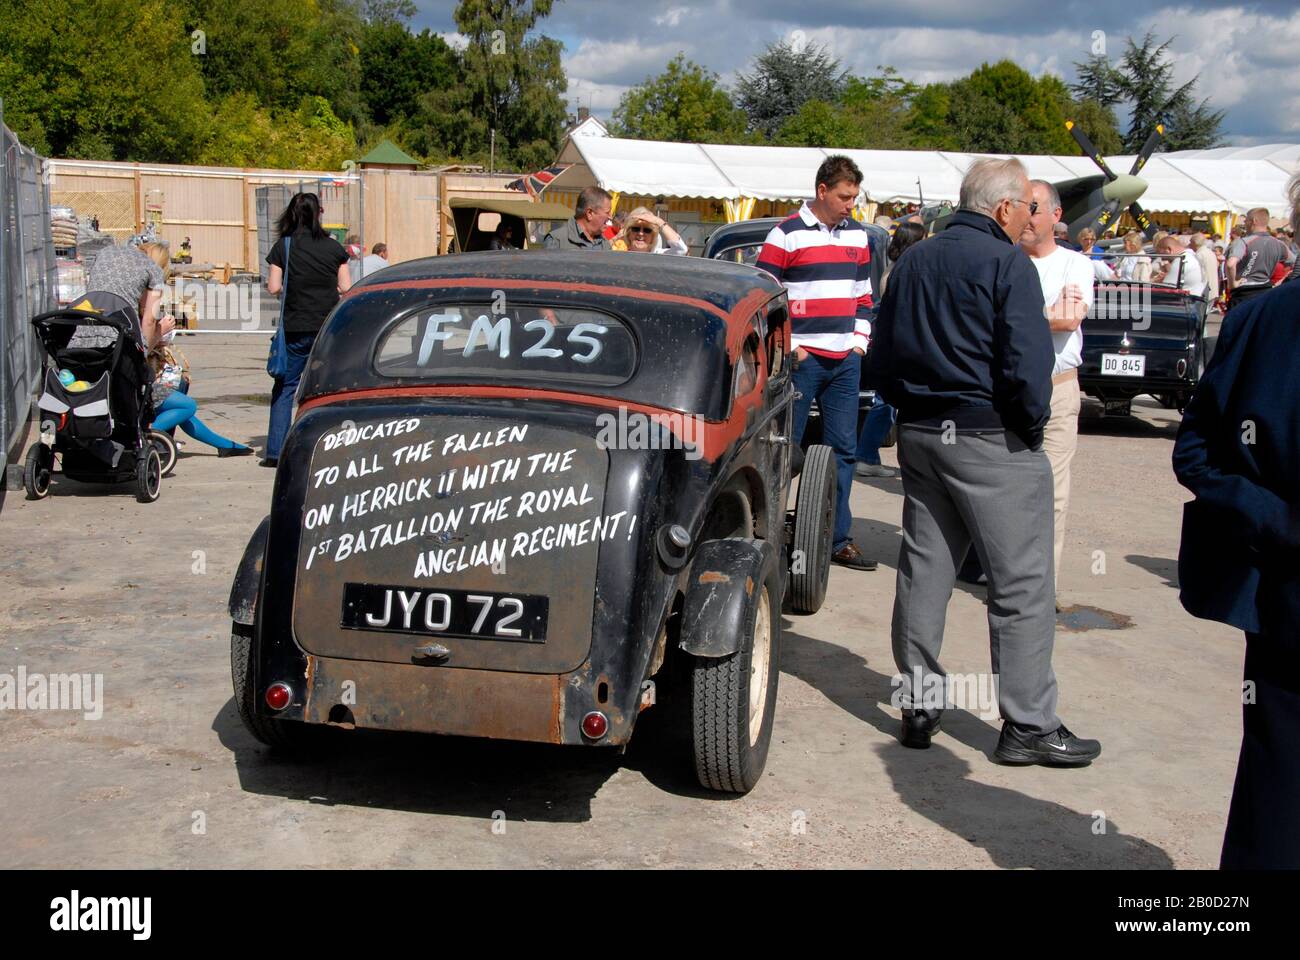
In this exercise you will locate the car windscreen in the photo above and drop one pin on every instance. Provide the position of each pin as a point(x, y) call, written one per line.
point(744, 253)
point(556, 346)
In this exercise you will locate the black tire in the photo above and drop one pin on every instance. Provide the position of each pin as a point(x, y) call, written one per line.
point(287, 735)
point(37, 469)
point(891, 438)
point(814, 528)
point(148, 476)
point(729, 739)
point(166, 447)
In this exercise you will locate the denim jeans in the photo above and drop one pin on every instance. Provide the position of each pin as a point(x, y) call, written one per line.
point(298, 346)
point(874, 429)
point(834, 385)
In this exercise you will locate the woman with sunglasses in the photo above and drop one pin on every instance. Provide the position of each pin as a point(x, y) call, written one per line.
point(642, 231)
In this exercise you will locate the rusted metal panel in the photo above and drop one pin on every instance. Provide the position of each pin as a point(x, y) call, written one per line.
point(475, 703)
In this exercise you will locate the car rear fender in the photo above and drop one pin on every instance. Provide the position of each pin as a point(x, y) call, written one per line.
point(248, 576)
point(721, 593)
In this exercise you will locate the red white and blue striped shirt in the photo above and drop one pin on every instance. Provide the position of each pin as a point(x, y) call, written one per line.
point(827, 273)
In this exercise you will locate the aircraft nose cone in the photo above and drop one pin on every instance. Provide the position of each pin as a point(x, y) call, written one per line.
point(1125, 188)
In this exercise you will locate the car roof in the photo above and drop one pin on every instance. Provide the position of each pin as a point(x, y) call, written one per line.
point(689, 317)
point(528, 209)
point(722, 285)
point(744, 232)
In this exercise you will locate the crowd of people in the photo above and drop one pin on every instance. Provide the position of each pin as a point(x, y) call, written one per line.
point(1256, 258)
point(973, 345)
point(976, 348)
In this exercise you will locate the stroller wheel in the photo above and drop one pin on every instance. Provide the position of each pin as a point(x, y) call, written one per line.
point(36, 471)
point(148, 476)
point(166, 448)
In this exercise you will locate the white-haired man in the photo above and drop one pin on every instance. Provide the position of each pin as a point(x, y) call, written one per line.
point(962, 352)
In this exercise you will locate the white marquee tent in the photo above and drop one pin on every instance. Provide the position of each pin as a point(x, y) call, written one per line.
point(1225, 180)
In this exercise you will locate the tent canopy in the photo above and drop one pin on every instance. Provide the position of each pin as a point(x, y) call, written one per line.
point(1183, 182)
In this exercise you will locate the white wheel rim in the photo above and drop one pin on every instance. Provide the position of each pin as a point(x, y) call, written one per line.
point(759, 661)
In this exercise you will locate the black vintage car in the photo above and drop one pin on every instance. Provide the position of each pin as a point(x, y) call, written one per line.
point(523, 490)
point(741, 243)
point(1143, 337)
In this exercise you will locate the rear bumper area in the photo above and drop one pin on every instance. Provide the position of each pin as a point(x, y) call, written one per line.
point(446, 700)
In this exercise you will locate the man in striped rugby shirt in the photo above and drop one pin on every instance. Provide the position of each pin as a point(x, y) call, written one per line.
point(822, 256)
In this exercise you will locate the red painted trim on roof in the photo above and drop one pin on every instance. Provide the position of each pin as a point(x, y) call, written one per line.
point(718, 436)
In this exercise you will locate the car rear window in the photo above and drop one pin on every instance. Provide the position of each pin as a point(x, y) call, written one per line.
point(554, 345)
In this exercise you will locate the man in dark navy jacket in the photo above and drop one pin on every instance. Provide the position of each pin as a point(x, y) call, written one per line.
point(1238, 450)
point(963, 350)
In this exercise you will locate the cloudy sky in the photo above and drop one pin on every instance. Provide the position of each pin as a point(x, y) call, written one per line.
point(1246, 53)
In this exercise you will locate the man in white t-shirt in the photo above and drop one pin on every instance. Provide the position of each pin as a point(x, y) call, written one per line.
point(376, 261)
point(1067, 278)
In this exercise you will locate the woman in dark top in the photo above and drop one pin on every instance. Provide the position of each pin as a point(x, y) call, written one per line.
point(318, 274)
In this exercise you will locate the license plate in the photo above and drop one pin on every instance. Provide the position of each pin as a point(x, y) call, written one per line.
point(427, 612)
point(1123, 364)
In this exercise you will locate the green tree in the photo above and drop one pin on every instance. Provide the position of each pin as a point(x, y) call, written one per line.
point(281, 52)
point(70, 91)
point(388, 11)
point(1039, 106)
point(928, 121)
point(1146, 80)
point(510, 82)
point(820, 124)
point(981, 124)
point(683, 103)
point(881, 108)
point(1191, 126)
point(398, 68)
point(1098, 81)
point(1099, 124)
point(784, 77)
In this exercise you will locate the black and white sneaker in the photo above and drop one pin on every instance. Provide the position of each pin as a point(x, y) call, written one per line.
point(1060, 748)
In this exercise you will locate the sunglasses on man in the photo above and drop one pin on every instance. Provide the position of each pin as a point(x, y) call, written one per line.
point(1033, 204)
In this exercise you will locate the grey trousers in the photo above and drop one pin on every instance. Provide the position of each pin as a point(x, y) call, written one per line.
point(991, 489)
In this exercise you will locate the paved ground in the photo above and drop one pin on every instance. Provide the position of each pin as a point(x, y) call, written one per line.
point(167, 777)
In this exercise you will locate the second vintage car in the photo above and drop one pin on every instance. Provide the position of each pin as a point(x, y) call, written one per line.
point(522, 492)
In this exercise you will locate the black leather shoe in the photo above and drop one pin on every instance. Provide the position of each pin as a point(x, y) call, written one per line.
point(918, 728)
point(271, 462)
point(1060, 748)
point(234, 451)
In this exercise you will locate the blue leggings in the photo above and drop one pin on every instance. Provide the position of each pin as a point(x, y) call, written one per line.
point(179, 410)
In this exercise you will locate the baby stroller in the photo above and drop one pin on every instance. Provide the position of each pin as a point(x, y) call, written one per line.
point(99, 423)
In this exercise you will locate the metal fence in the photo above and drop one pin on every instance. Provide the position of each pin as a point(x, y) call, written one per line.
point(27, 278)
point(341, 201)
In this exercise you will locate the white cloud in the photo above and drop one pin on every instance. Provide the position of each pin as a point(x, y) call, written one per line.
point(602, 98)
point(672, 17)
point(457, 41)
point(625, 61)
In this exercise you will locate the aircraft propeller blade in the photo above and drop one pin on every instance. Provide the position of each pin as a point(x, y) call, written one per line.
point(1144, 154)
point(1143, 221)
point(1088, 149)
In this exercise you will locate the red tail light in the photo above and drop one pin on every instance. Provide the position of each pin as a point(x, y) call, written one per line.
point(278, 695)
point(594, 725)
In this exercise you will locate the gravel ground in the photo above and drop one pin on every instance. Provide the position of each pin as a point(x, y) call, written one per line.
point(97, 583)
